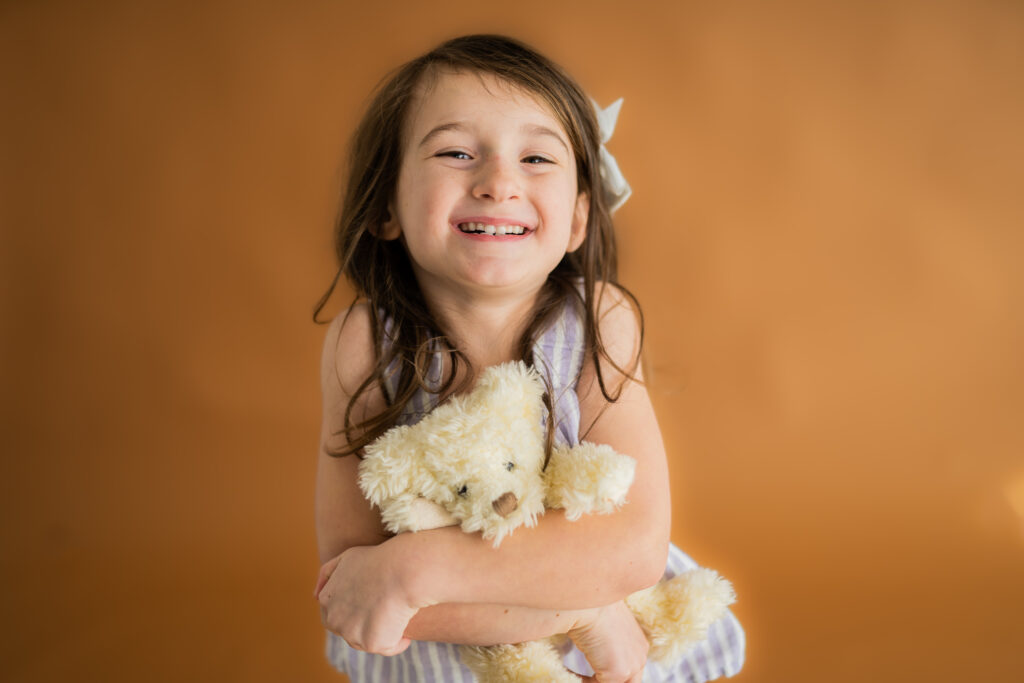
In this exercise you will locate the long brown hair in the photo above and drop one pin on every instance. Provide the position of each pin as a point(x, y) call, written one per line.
point(380, 270)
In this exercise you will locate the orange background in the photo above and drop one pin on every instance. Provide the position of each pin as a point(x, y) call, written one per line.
point(826, 234)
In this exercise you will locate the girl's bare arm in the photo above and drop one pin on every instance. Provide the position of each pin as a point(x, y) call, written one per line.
point(345, 520)
point(596, 560)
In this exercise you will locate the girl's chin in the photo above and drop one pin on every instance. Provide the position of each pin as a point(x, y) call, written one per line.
point(495, 283)
point(485, 277)
point(492, 282)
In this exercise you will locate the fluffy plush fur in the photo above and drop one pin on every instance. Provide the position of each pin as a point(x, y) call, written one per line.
point(478, 461)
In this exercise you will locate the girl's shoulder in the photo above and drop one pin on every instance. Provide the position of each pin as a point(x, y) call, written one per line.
point(618, 338)
point(349, 357)
point(619, 321)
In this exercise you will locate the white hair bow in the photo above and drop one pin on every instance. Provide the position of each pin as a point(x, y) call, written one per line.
point(615, 185)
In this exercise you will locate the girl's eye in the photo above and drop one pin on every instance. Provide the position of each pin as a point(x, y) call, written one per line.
point(462, 490)
point(455, 154)
point(535, 159)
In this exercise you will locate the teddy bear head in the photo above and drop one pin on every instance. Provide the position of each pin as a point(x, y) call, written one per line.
point(479, 457)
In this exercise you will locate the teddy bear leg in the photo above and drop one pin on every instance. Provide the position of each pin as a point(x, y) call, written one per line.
point(676, 613)
point(535, 661)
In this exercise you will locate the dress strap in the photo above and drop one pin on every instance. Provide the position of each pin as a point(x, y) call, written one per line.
point(558, 356)
point(422, 402)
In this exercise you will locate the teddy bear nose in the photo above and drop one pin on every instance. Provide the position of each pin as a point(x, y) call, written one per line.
point(505, 504)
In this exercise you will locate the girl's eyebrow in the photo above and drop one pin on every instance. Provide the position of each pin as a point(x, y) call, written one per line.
point(536, 129)
point(528, 128)
point(437, 130)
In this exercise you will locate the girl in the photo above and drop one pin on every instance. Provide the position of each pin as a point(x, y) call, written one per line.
point(476, 229)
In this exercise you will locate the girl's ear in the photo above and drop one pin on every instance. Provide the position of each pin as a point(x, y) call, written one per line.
point(390, 229)
point(579, 222)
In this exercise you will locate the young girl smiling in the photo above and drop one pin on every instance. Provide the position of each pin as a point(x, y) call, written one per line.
point(476, 229)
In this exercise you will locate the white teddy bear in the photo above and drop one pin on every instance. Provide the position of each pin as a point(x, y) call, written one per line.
point(478, 461)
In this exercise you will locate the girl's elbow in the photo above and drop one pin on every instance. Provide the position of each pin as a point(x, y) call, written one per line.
point(647, 565)
point(659, 560)
point(654, 567)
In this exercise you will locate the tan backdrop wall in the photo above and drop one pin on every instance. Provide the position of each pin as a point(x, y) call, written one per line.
point(826, 234)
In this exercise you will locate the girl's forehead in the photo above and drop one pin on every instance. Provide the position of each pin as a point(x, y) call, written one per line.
point(468, 96)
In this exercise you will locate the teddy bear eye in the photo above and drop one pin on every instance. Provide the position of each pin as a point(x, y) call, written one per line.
point(462, 490)
point(510, 466)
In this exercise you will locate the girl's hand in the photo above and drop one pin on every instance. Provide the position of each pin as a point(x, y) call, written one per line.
point(613, 643)
point(362, 599)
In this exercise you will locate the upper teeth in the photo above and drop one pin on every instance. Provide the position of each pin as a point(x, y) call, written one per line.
point(492, 229)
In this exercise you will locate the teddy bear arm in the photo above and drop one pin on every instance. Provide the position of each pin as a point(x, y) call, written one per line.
point(426, 514)
point(411, 512)
point(587, 479)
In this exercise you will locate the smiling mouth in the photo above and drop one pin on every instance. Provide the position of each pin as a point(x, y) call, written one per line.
point(486, 229)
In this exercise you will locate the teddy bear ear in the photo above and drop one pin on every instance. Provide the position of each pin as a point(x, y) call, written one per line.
point(389, 467)
point(507, 384)
point(392, 478)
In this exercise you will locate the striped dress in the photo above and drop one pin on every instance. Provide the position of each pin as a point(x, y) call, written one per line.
point(558, 354)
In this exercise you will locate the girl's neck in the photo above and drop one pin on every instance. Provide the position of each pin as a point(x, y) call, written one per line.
point(487, 329)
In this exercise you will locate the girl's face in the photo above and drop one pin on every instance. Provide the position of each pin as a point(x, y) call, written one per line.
point(486, 197)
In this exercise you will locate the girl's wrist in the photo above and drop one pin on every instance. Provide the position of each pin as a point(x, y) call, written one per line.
point(584, 619)
point(405, 558)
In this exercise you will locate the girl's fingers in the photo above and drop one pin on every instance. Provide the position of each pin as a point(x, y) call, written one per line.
point(400, 646)
point(397, 648)
point(325, 573)
point(638, 677)
point(321, 581)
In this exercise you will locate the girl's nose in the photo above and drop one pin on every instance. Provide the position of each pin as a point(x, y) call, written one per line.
point(498, 180)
